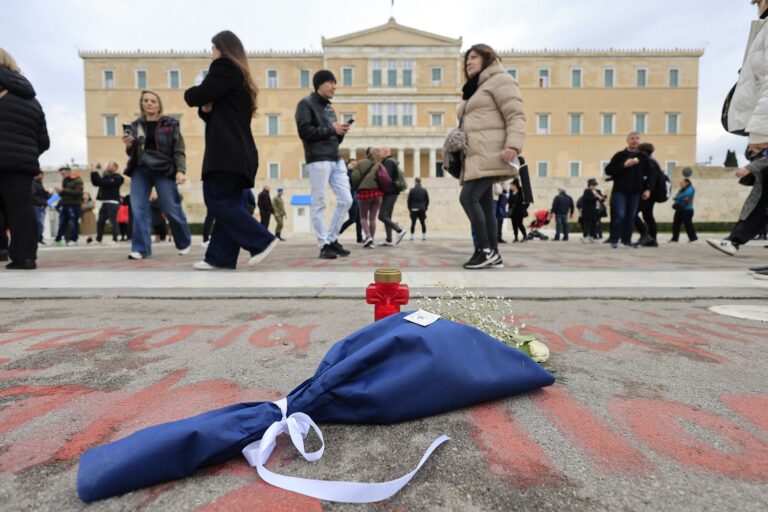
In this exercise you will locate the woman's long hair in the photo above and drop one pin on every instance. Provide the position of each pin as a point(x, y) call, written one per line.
point(487, 53)
point(232, 48)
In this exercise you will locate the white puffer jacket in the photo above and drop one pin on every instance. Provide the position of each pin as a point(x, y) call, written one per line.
point(749, 106)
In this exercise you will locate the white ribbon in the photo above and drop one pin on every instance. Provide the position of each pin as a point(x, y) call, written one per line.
point(297, 425)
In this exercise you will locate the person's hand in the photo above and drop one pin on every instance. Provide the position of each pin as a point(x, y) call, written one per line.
point(646, 195)
point(756, 148)
point(180, 178)
point(57, 189)
point(207, 107)
point(509, 155)
point(128, 140)
point(341, 129)
point(741, 172)
point(632, 162)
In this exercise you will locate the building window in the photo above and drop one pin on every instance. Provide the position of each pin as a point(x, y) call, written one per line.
point(408, 114)
point(303, 171)
point(641, 122)
point(512, 72)
point(376, 74)
point(110, 125)
point(574, 169)
point(542, 124)
point(377, 119)
point(109, 79)
point(603, 167)
point(392, 114)
point(673, 121)
point(273, 125)
point(392, 73)
point(437, 76)
point(346, 77)
point(576, 78)
point(271, 79)
point(642, 77)
point(609, 124)
point(274, 171)
point(201, 76)
point(407, 73)
point(576, 124)
point(543, 77)
point(436, 119)
point(174, 79)
point(304, 79)
point(674, 77)
point(141, 79)
point(670, 166)
point(608, 74)
point(542, 169)
point(347, 116)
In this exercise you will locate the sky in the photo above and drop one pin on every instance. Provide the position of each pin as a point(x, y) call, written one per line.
point(44, 37)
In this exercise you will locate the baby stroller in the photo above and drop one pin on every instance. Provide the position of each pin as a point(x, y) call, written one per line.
point(540, 219)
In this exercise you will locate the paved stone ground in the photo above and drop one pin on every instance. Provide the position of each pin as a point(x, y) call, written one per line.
point(660, 404)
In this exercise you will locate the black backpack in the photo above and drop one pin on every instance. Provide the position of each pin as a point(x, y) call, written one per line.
point(663, 190)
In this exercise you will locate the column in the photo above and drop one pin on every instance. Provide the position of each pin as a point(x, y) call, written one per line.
point(432, 163)
point(401, 158)
point(416, 162)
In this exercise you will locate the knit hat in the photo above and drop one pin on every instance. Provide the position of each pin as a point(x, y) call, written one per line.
point(321, 77)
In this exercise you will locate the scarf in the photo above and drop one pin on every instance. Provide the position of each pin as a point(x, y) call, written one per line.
point(470, 87)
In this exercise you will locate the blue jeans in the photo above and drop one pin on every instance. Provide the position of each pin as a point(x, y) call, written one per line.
point(169, 199)
point(624, 207)
point(322, 174)
point(40, 213)
point(561, 226)
point(69, 214)
point(235, 226)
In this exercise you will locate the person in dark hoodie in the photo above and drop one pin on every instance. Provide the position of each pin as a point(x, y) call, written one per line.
point(647, 229)
point(70, 206)
point(629, 169)
point(40, 198)
point(322, 134)
point(562, 207)
point(109, 195)
point(226, 101)
point(23, 138)
point(418, 202)
point(590, 211)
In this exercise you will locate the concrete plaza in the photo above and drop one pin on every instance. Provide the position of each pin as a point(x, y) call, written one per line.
point(660, 403)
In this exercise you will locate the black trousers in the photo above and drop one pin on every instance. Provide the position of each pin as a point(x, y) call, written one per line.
point(385, 214)
point(354, 218)
point(589, 226)
point(746, 230)
point(20, 219)
point(107, 212)
point(518, 225)
point(649, 226)
point(208, 225)
point(683, 217)
point(477, 200)
point(421, 216)
point(265, 216)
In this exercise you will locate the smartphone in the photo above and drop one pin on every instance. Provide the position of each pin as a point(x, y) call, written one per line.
point(351, 122)
point(127, 130)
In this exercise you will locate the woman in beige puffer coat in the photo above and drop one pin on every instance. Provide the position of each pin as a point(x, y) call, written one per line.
point(493, 118)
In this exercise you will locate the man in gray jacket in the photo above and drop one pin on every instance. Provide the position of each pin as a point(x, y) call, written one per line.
point(321, 134)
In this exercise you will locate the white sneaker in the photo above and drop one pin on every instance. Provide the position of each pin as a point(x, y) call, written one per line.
point(386, 243)
point(185, 251)
point(725, 246)
point(203, 265)
point(135, 256)
point(71, 243)
point(258, 258)
point(400, 235)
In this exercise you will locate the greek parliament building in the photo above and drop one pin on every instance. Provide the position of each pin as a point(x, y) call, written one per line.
point(402, 85)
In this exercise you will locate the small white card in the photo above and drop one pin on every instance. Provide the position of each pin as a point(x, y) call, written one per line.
point(422, 318)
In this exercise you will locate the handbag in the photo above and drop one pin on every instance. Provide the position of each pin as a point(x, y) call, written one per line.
point(724, 113)
point(454, 150)
point(384, 180)
point(157, 162)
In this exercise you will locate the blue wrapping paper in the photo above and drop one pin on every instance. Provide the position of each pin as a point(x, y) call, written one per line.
point(387, 372)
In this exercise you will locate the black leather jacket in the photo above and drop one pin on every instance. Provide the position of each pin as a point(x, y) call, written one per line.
point(314, 121)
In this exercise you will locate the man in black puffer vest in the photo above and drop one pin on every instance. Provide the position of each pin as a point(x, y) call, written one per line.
point(109, 194)
point(23, 137)
point(630, 171)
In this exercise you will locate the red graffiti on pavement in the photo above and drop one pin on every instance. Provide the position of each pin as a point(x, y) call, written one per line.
point(283, 334)
point(176, 334)
point(753, 408)
point(94, 338)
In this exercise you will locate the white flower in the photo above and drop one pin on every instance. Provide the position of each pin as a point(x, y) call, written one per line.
point(539, 351)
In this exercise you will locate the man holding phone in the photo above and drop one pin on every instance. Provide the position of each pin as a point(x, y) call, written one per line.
point(322, 134)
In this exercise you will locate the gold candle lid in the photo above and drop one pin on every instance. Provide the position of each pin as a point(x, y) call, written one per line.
point(387, 275)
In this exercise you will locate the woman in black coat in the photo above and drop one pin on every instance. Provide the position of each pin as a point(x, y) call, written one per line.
point(227, 101)
point(23, 137)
